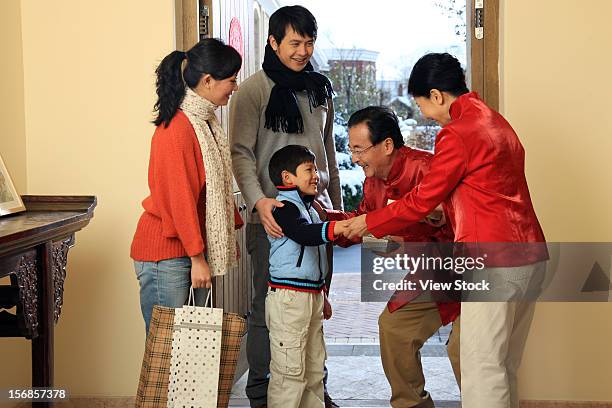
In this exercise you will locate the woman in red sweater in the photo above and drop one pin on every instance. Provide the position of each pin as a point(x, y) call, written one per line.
point(190, 180)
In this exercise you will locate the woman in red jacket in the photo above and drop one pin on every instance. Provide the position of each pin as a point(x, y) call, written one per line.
point(478, 173)
point(190, 180)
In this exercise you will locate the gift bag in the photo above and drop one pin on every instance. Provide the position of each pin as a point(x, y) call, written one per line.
point(196, 355)
point(234, 328)
point(155, 372)
point(153, 385)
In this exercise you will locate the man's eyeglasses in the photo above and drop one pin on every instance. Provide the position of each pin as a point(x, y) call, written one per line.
point(359, 152)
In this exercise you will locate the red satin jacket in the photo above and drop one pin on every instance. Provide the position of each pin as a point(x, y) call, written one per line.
point(409, 167)
point(478, 172)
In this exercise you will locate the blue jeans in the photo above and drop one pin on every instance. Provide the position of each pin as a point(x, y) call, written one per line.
point(165, 283)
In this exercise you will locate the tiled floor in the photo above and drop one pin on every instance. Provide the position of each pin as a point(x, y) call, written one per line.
point(346, 306)
point(355, 381)
point(356, 320)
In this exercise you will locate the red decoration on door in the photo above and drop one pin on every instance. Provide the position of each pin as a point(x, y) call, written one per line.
point(235, 36)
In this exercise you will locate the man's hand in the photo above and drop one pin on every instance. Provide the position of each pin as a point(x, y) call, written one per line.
point(327, 309)
point(356, 228)
point(264, 208)
point(200, 272)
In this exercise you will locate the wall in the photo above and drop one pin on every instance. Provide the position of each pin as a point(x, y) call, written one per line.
point(88, 70)
point(88, 77)
point(13, 146)
point(556, 88)
point(12, 121)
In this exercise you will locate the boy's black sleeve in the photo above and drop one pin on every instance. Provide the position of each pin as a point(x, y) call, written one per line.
point(301, 230)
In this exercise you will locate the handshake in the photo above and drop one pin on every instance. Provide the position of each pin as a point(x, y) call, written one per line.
point(351, 228)
point(356, 227)
point(342, 228)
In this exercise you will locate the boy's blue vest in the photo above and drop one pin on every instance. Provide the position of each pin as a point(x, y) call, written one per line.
point(294, 265)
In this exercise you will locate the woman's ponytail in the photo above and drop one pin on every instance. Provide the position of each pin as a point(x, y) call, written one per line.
point(209, 56)
point(170, 87)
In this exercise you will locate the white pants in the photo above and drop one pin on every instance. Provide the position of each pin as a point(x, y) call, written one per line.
point(297, 348)
point(493, 336)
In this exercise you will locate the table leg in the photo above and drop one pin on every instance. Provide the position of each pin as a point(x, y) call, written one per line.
point(42, 345)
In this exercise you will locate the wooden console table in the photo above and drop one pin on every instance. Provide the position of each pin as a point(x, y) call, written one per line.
point(33, 251)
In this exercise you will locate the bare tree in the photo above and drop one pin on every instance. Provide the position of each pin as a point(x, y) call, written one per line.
point(455, 11)
point(354, 81)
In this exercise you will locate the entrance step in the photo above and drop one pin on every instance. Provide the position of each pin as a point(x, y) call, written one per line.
point(373, 349)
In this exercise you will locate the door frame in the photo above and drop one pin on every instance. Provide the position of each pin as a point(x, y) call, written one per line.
point(483, 54)
point(483, 61)
point(482, 75)
point(186, 22)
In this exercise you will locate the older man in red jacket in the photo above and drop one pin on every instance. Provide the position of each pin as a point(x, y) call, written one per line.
point(477, 171)
point(392, 169)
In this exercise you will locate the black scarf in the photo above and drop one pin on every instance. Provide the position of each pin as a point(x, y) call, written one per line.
point(283, 113)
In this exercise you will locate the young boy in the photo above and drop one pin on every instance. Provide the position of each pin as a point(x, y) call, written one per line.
point(296, 301)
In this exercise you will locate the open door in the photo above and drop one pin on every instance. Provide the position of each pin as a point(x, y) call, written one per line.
point(232, 21)
point(238, 23)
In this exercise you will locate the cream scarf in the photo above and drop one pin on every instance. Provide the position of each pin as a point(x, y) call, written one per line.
point(220, 238)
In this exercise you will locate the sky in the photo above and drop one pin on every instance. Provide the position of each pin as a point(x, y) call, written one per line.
point(401, 30)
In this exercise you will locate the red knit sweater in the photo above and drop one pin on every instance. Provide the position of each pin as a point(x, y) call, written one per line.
point(173, 222)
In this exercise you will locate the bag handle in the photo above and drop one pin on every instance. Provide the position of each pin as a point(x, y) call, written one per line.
point(191, 300)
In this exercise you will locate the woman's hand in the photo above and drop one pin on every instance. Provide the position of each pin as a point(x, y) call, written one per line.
point(200, 272)
point(436, 218)
point(264, 208)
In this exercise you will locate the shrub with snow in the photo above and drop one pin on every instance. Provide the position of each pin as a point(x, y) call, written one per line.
point(351, 175)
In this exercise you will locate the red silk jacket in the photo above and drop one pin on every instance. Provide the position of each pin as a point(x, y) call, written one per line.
point(478, 172)
point(409, 167)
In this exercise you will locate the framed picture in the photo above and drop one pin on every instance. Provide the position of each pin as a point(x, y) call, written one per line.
point(10, 201)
